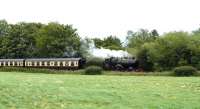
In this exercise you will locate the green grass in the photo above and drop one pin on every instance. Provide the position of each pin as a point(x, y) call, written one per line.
point(59, 91)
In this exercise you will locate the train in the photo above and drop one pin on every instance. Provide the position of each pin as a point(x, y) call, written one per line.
point(55, 63)
point(70, 63)
point(121, 64)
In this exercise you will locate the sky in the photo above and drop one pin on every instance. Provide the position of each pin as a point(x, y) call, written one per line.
point(101, 18)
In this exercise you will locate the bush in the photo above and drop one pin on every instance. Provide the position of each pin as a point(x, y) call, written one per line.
point(38, 70)
point(197, 66)
point(185, 71)
point(94, 62)
point(144, 59)
point(93, 70)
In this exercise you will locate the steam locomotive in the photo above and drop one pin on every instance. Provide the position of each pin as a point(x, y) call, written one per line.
point(70, 63)
point(125, 63)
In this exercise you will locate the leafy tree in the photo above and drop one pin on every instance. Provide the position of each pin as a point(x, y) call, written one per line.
point(137, 39)
point(144, 57)
point(98, 42)
point(56, 40)
point(4, 28)
point(196, 32)
point(111, 42)
point(20, 42)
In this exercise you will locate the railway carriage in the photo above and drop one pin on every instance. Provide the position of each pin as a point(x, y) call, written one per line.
point(56, 63)
point(11, 62)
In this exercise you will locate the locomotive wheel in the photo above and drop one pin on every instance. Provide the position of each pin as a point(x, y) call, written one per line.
point(130, 68)
point(119, 67)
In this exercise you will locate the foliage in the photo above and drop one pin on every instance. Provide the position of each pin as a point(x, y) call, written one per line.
point(111, 42)
point(93, 70)
point(197, 66)
point(38, 70)
point(33, 40)
point(144, 58)
point(185, 71)
point(137, 39)
point(4, 28)
point(55, 40)
point(168, 51)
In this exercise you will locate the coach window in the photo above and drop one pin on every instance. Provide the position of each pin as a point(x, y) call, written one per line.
point(26, 63)
point(64, 63)
point(29, 63)
point(8, 63)
point(17, 63)
point(13, 63)
point(21, 63)
point(51, 63)
point(35, 63)
point(69, 63)
point(58, 63)
point(72, 63)
point(45, 63)
point(75, 63)
point(40, 63)
point(48, 63)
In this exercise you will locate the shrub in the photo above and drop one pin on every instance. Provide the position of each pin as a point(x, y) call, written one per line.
point(38, 70)
point(94, 62)
point(93, 70)
point(197, 66)
point(144, 59)
point(185, 71)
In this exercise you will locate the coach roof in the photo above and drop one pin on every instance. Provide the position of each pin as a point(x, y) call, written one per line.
point(6, 60)
point(54, 59)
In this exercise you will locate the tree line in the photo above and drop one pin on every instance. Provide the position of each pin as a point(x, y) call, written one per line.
point(167, 51)
point(34, 40)
point(153, 51)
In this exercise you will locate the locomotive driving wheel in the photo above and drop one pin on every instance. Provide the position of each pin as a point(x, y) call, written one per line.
point(119, 67)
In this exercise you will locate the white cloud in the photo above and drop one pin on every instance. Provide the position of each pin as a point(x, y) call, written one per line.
point(100, 18)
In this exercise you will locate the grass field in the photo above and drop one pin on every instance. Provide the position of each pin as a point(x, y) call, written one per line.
point(59, 91)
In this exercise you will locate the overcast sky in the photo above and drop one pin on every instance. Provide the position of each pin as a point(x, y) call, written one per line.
point(100, 18)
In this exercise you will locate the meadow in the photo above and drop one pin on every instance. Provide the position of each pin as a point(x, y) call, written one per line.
point(64, 91)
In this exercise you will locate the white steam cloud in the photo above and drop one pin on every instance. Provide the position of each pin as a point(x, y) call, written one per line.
point(106, 53)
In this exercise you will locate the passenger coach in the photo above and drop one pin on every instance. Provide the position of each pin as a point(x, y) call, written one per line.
point(64, 63)
point(11, 62)
point(57, 63)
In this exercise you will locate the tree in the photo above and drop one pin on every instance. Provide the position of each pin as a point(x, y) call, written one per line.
point(196, 32)
point(98, 42)
point(20, 42)
point(4, 28)
point(56, 40)
point(137, 39)
point(144, 58)
point(111, 42)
